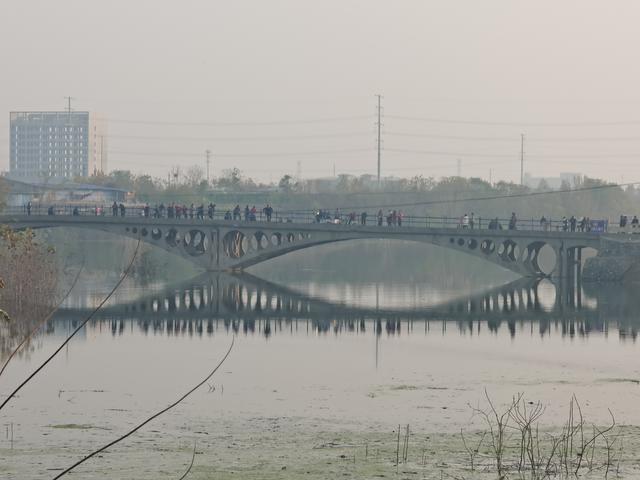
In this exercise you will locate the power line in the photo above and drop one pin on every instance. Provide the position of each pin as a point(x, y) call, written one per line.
point(242, 155)
point(451, 154)
point(240, 124)
point(515, 123)
point(242, 138)
point(452, 137)
point(513, 139)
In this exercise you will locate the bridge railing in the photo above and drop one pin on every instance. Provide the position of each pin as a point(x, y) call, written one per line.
point(306, 216)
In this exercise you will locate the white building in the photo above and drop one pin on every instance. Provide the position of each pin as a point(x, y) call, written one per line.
point(56, 145)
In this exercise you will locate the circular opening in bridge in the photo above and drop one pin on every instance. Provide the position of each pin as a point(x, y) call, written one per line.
point(452, 240)
point(144, 232)
point(232, 244)
point(253, 243)
point(156, 233)
point(473, 244)
point(172, 237)
point(487, 247)
point(461, 241)
point(276, 239)
point(262, 240)
point(546, 259)
point(195, 242)
point(508, 251)
point(515, 253)
point(134, 229)
point(126, 229)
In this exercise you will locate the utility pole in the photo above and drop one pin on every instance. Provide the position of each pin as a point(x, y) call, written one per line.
point(379, 124)
point(522, 159)
point(208, 154)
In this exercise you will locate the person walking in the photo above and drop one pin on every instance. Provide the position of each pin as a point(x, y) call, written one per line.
point(122, 210)
point(400, 216)
point(236, 212)
point(29, 208)
point(363, 218)
point(380, 217)
point(114, 209)
point(513, 221)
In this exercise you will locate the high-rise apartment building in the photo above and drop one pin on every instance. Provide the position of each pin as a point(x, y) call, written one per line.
point(56, 144)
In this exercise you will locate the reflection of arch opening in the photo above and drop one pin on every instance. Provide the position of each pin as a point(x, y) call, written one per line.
point(232, 244)
point(144, 232)
point(451, 240)
point(473, 244)
point(461, 241)
point(487, 247)
point(156, 234)
point(291, 237)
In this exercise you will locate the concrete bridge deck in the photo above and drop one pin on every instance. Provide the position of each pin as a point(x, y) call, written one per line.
point(219, 245)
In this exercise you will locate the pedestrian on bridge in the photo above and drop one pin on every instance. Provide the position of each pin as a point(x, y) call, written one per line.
point(513, 221)
point(236, 212)
point(363, 218)
point(122, 209)
point(268, 211)
point(380, 217)
point(114, 209)
point(211, 210)
point(29, 208)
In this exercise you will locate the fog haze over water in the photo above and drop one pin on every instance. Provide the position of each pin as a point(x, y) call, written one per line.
point(266, 85)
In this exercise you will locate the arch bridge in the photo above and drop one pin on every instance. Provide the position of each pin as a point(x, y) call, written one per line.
point(234, 245)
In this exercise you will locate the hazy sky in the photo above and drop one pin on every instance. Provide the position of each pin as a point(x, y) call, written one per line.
point(266, 84)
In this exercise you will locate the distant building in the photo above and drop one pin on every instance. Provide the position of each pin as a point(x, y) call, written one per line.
point(571, 179)
point(56, 145)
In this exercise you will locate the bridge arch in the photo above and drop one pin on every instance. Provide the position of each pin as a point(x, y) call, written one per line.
point(226, 245)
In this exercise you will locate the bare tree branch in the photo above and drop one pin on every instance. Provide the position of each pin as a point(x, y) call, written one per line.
point(193, 457)
point(43, 322)
point(156, 415)
point(82, 324)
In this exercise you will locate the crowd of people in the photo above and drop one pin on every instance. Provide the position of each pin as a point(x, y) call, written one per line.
point(392, 217)
point(389, 218)
point(198, 212)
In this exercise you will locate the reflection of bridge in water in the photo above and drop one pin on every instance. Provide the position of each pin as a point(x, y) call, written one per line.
point(244, 303)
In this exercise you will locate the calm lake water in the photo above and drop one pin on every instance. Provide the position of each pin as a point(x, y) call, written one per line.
point(320, 353)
